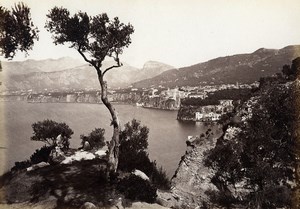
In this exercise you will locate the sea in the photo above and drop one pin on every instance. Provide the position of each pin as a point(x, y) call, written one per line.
point(167, 136)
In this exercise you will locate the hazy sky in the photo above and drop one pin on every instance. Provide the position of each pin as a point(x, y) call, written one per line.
point(181, 33)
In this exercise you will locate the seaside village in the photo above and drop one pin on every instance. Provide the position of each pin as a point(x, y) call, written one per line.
point(157, 98)
point(214, 112)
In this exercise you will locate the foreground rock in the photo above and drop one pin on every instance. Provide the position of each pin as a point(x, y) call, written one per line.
point(51, 204)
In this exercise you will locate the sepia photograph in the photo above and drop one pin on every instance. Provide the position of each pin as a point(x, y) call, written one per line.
point(149, 104)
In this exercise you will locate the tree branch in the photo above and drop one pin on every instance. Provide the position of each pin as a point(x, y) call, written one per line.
point(87, 60)
point(114, 66)
point(119, 64)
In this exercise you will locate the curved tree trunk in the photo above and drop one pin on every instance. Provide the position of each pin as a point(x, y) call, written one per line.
point(113, 147)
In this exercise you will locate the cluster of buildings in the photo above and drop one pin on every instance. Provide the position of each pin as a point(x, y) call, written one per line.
point(159, 98)
point(214, 112)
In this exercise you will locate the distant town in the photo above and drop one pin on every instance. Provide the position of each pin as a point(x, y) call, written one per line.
point(155, 97)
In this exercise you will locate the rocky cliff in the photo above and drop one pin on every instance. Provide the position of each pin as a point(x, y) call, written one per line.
point(254, 163)
point(192, 178)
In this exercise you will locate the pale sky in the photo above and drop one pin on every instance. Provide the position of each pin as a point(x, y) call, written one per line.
point(180, 32)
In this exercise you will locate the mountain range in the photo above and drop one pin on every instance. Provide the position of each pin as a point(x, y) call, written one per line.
point(242, 68)
point(67, 73)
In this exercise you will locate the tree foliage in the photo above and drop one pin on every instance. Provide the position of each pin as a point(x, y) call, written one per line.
point(215, 97)
point(41, 155)
point(137, 189)
point(262, 154)
point(17, 31)
point(98, 36)
point(95, 138)
point(133, 145)
point(291, 72)
point(134, 155)
point(48, 130)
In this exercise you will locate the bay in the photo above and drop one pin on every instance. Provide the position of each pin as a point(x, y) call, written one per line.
point(167, 136)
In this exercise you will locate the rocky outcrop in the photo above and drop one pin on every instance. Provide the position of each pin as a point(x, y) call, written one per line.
point(192, 178)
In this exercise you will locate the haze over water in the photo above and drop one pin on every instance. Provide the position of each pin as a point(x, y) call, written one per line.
point(167, 136)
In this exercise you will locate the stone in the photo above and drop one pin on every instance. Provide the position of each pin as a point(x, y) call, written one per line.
point(36, 166)
point(141, 174)
point(86, 146)
point(88, 205)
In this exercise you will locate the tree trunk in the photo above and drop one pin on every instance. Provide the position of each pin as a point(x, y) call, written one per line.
point(113, 147)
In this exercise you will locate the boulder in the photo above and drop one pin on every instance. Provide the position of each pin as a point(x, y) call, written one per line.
point(141, 174)
point(88, 205)
point(36, 166)
point(86, 146)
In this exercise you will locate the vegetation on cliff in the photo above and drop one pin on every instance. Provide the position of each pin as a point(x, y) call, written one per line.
point(256, 158)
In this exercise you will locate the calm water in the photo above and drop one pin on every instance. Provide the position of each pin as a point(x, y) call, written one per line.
point(167, 136)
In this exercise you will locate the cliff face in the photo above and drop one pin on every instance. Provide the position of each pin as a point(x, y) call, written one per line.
point(192, 179)
point(65, 98)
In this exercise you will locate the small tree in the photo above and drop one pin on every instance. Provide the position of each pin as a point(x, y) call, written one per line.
point(95, 38)
point(48, 130)
point(95, 138)
point(17, 31)
point(133, 154)
point(133, 145)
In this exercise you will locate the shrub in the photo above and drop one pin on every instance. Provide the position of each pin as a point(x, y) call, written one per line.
point(21, 165)
point(133, 154)
point(41, 155)
point(5, 178)
point(221, 198)
point(159, 177)
point(95, 138)
point(48, 130)
point(137, 189)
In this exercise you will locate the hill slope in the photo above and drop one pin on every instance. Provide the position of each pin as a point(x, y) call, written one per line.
point(66, 73)
point(242, 68)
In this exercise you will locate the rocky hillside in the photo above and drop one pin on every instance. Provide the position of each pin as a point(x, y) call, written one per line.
point(66, 73)
point(254, 164)
point(31, 66)
point(242, 68)
point(79, 181)
point(192, 179)
point(152, 69)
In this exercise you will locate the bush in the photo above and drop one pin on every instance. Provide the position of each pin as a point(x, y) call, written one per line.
point(159, 177)
point(133, 155)
point(137, 189)
point(95, 138)
point(221, 198)
point(21, 165)
point(48, 130)
point(41, 155)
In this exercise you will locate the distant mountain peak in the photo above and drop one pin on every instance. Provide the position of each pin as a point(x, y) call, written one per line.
point(264, 50)
point(155, 65)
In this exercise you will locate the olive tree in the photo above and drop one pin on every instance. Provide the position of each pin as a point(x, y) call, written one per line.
point(95, 38)
point(47, 131)
point(17, 31)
